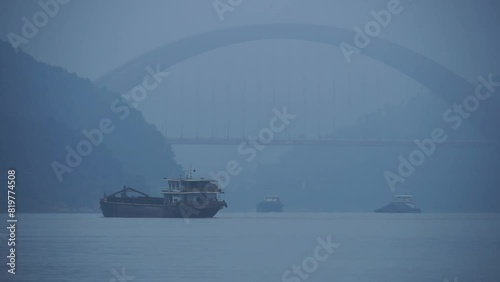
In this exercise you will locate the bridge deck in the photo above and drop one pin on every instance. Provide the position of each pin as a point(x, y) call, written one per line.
point(330, 142)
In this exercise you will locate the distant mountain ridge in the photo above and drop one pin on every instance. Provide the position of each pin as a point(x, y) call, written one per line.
point(351, 179)
point(44, 111)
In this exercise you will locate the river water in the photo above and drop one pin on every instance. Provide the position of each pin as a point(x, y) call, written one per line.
point(250, 247)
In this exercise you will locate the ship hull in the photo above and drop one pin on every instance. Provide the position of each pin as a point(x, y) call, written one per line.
point(397, 208)
point(269, 207)
point(114, 209)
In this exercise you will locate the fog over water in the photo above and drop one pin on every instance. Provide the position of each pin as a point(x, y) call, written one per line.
point(338, 108)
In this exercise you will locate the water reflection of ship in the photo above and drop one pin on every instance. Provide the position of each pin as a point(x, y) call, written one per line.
point(270, 204)
point(400, 204)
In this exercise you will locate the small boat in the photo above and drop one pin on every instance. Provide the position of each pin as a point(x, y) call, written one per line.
point(184, 198)
point(400, 204)
point(270, 204)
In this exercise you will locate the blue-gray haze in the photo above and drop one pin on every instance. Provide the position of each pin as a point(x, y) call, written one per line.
point(231, 65)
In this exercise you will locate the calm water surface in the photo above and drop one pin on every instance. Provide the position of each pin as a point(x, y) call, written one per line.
point(250, 247)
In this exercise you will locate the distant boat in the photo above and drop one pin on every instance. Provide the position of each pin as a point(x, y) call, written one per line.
point(400, 204)
point(270, 204)
point(184, 198)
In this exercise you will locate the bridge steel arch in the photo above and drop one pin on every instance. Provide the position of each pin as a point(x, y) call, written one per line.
point(437, 78)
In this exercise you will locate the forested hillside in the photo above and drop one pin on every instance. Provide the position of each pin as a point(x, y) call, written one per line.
point(44, 112)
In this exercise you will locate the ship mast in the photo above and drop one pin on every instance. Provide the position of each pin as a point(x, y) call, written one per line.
point(189, 174)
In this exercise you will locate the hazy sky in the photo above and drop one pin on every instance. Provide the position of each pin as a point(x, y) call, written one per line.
point(92, 37)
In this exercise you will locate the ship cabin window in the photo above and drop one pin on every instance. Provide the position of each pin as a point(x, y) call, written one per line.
point(203, 185)
point(271, 199)
point(173, 184)
point(167, 198)
point(185, 184)
point(200, 197)
point(404, 198)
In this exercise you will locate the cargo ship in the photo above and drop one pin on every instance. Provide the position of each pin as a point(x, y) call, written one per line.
point(400, 204)
point(270, 204)
point(184, 198)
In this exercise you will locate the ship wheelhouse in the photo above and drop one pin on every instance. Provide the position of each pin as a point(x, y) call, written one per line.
point(191, 190)
point(406, 199)
point(272, 199)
